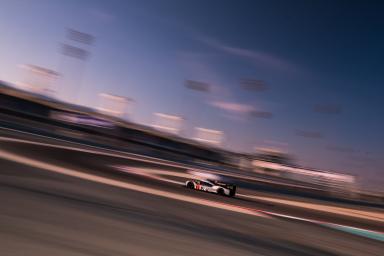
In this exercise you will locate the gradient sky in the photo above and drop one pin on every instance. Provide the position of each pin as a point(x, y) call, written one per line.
point(322, 63)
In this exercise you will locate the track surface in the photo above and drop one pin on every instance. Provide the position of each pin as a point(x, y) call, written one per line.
point(45, 213)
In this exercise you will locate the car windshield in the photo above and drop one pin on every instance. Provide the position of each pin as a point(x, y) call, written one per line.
point(206, 183)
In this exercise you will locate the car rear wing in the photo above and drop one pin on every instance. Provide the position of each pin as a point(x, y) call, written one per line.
point(230, 186)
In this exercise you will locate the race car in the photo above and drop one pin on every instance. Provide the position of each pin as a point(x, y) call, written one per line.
point(212, 186)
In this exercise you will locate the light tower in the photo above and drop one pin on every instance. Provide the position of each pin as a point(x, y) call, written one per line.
point(74, 54)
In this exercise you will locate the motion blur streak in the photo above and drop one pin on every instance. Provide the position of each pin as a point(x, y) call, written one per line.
point(368, 214)
point(376, 216)
point(139, 215)
point(158, 174)
point(114, 153)
point(116, 183)
point(166, 127)
point(358, 231)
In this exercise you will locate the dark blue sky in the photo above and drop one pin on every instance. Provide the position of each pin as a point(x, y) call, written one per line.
point(322, 63)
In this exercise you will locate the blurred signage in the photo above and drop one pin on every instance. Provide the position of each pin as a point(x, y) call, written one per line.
point(81, 119)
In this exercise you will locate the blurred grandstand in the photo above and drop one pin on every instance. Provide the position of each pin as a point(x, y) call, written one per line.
point(37, 113)
point(43, 114)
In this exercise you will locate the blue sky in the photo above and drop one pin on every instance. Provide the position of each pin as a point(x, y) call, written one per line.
point(311, 55)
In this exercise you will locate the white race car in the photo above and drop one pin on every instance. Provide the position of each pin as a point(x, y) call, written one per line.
point(212, 186)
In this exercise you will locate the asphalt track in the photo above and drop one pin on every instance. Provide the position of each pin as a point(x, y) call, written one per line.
point(47, 213)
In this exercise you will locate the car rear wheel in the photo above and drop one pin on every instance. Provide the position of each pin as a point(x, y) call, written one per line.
point(190, 185)
point(220, 191)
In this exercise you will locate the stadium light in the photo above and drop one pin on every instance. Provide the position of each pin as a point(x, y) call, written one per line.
point(168, 123)
point(113, 105)
point(209, 136)
point(38, 79)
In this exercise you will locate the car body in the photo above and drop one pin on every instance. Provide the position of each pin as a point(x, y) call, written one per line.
point(212, 186)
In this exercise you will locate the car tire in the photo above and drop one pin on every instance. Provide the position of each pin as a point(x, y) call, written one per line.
point(190, 185)
point(220, 191)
